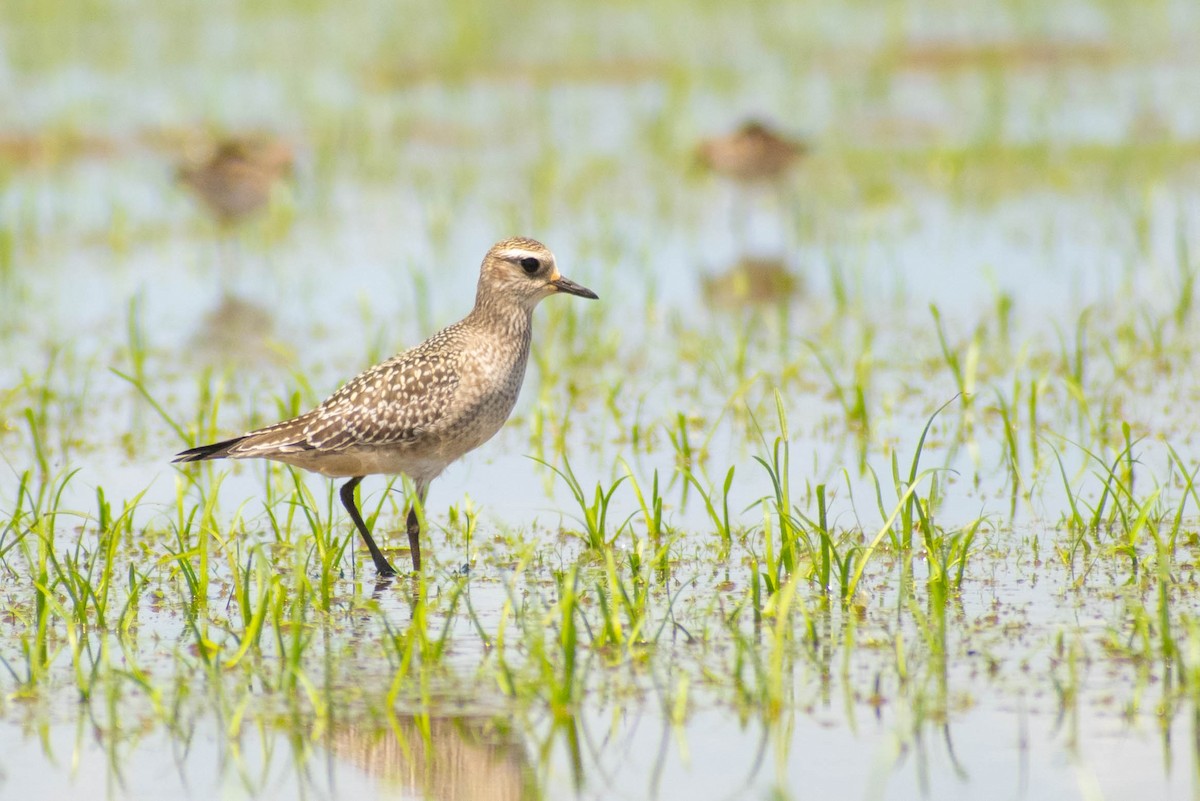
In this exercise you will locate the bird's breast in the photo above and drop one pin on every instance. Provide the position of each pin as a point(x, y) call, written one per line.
point(487, 391)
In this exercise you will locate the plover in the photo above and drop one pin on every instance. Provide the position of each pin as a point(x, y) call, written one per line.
point(236, 178)
point(421, 410)
point(751, 154)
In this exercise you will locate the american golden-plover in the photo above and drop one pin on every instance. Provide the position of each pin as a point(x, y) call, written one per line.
point(418, 412)
point(236, 178)
point(751, 154)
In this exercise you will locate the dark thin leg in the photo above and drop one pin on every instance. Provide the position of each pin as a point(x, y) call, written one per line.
point(381, 563)
point(414, 538)
point(414, 525)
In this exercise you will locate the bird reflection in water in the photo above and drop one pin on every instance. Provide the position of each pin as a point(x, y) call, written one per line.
point(238, 332)
point(752, 281)
point(444, 758)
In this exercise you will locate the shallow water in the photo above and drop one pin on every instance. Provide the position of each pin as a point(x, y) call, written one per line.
point(991, 727)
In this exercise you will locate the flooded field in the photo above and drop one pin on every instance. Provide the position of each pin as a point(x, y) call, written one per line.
point(871, 473)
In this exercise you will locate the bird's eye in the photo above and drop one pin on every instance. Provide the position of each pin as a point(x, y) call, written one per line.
point(530, 265)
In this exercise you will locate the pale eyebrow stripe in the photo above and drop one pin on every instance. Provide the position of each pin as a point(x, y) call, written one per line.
point(516, 253)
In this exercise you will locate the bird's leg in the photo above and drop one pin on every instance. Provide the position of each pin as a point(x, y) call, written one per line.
point(381, 563)
point(414, 526)
point(740, 221)
point(414, 537)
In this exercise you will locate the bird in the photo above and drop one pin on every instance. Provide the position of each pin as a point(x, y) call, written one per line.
point(751, 154)
point(423, 409)
point(237, 177)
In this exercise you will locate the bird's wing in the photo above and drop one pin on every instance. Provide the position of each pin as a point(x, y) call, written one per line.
point(393, 403)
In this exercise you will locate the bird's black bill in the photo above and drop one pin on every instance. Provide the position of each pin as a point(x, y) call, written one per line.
point(572, 288)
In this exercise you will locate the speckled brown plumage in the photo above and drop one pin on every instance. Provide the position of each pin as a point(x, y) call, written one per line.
point(418, 412)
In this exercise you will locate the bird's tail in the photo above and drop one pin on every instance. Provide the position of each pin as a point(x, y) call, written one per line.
point(217, 450)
